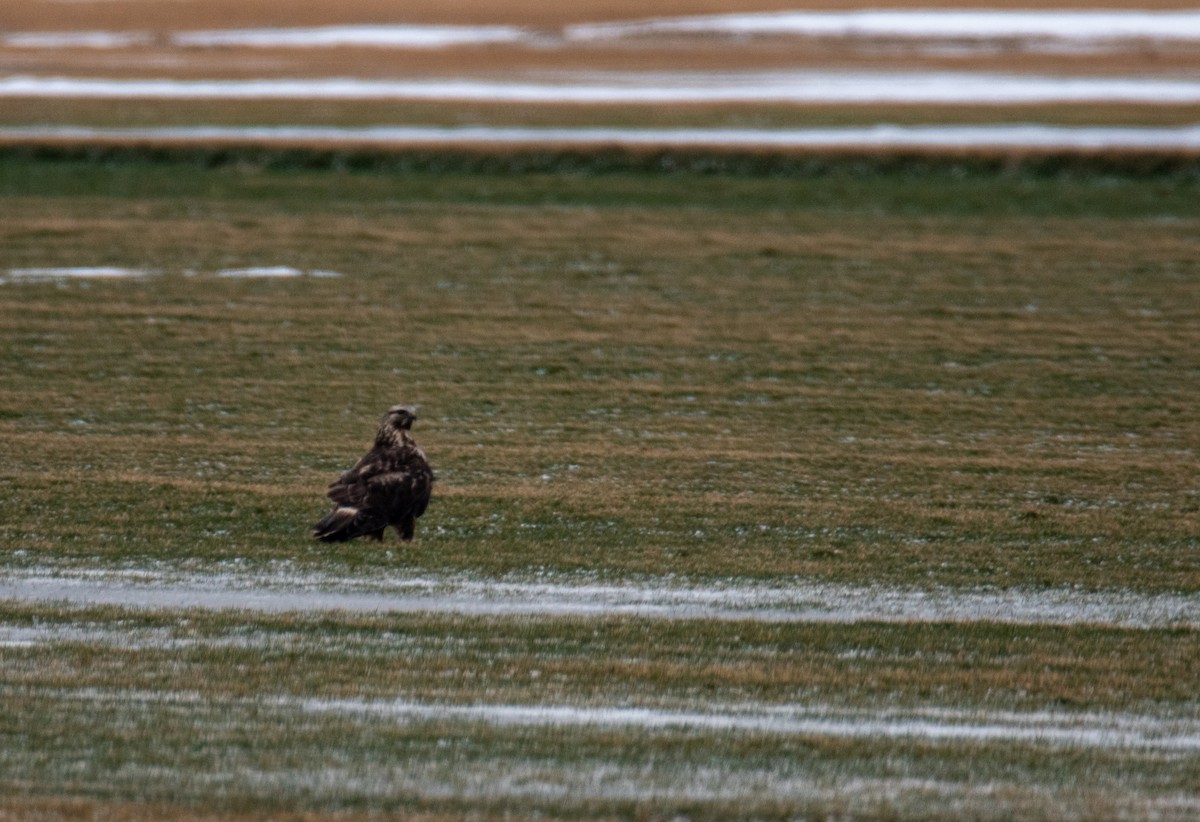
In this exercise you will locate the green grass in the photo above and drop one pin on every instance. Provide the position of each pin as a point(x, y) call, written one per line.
point(348, 113)
point(873, 379)
point(599, 661)
point(914, 374)
point(381, 767)
point(1104, 184)
point(201, 710)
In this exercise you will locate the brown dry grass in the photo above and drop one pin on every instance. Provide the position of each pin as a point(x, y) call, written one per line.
point(493, 61)
point(203, 14)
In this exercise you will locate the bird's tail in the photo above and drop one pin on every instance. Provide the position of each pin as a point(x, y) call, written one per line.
point(344, 523)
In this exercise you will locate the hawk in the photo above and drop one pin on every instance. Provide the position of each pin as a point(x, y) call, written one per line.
point(390, 485)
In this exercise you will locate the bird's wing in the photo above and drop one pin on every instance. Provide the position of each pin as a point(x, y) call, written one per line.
point(405, 480)
point(404, 486)
point(388, 482)
point(351, 487)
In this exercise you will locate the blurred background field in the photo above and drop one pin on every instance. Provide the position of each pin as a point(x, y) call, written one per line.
point(578, 63)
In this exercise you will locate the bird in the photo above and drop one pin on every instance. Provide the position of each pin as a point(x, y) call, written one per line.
point(389, 486)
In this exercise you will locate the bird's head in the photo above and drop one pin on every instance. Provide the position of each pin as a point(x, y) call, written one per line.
point(400, 416)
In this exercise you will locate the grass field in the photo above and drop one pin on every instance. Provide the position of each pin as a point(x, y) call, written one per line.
point(950, 376)
point(916, 379)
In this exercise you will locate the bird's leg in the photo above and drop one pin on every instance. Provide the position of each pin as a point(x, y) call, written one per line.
point(407, 527)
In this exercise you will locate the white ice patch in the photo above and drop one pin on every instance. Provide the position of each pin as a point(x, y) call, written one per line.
point(76, 273)
point(1178, 734)
point(261, 271)
point(926, 24)
point(799, 601)
point(1090, 730)
point(75, 39)
point(374, 36)
point(381, 36)
point(1027, 28)
point(1004, 136)
point(114, 272)
point(947, 88)
point(272, 272)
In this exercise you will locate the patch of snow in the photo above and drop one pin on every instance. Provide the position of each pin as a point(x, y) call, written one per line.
point(75, 39)
point(800, 601)
point(261, 271)
point(989, 24)
point(273, 272)
point(1026, 28)
point(1177, 734)
point(949, 88)
point(379, 36)
point(1004, 136)
point(1091, 730)
point(115, 272)
point(657, 782)
point(76, 273)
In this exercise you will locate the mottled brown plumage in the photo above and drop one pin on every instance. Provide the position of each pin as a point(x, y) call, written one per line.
point(390, 485)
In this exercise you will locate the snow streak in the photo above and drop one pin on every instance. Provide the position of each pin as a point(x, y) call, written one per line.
point(924, 24)
point(799, 601)
point(1029, 28)
point(948, 88)
point(868, 137)
point(1178, 735)
point(1093, 730)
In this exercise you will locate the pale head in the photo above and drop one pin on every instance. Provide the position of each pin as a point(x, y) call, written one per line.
point(400, 416)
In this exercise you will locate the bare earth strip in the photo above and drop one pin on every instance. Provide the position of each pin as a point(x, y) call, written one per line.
point(799, 601)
